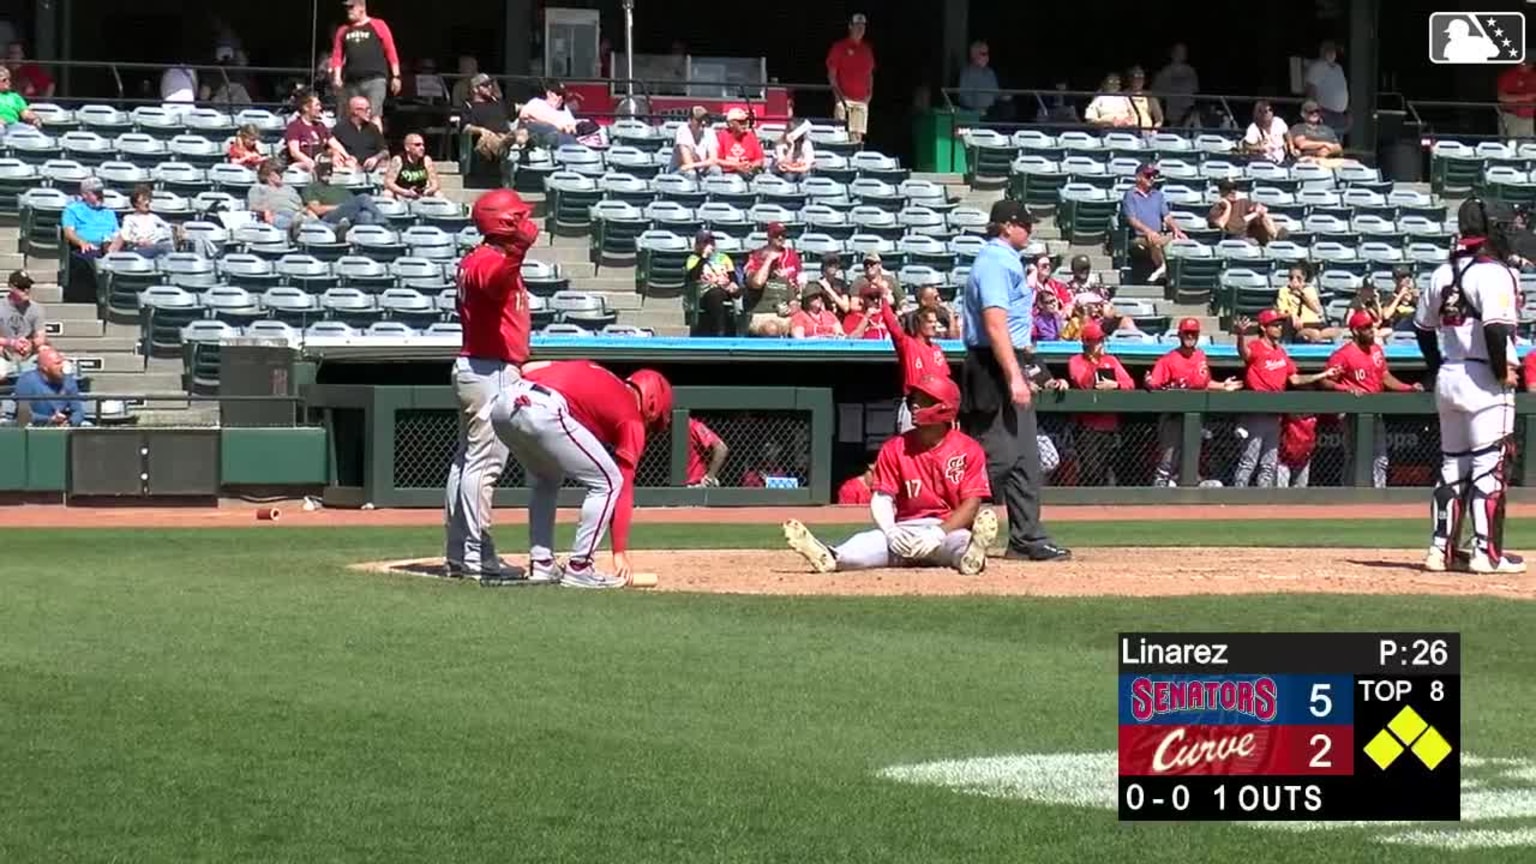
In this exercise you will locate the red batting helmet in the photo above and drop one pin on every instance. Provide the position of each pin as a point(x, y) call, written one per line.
point(498, 212)
point(946, 396)
point(655, 397)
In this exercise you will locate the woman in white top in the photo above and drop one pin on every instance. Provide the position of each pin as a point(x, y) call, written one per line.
point(145, 232)
point(793, 156)
point(1111, 107)
point(1266, 135)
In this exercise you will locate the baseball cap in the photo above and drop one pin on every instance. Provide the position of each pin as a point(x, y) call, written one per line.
point(699, 112)
point(871, 257)
point(1081, 263)
point(776, 229)
point(858, 18)
point(1361, 320)
point(736, 114)
point(1268, 317)
point(1225, 185)
point(1009, 210)
point(1189, 325)
point(20, 280)
point(480, 80)
point(1147, 170)
point(704, 236)
point(811, 289)
point(1309, 107)
point(1092, 332)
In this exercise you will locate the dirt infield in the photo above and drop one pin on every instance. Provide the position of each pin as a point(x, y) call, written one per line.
point(1092, 573)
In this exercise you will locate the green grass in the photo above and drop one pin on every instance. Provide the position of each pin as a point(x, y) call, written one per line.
point(239, 696)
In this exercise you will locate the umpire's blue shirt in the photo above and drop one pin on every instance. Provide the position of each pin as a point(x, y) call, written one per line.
point(997, 282)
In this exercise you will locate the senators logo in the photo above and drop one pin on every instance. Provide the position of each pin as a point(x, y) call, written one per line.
point(954, 469)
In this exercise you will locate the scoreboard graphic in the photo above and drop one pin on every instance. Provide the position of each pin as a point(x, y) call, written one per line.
point(1289, 726)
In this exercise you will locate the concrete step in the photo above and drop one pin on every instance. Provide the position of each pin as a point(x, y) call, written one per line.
point(608, 283)
point(94, 345)
point(12, 261)
point(56, 310)
point(74, 328)
point(137, 382)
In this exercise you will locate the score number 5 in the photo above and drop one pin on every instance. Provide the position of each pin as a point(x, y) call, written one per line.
point(1321, 705)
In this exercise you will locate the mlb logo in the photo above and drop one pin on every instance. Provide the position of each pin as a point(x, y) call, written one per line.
point(1476, 38)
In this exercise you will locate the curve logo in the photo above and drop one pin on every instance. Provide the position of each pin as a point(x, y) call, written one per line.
point(1498, 795)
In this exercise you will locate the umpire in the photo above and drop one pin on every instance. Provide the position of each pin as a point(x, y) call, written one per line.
point(995, 406)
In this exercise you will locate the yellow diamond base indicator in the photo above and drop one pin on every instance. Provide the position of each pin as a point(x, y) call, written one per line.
point(1407, 725)
point(1432, 748)
point(1383, 749)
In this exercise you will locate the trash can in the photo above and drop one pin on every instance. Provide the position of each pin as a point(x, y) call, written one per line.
point(1399, 154)
point(936, 141)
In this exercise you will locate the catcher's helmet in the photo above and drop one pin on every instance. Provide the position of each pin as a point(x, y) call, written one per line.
point(655, 397)
point(945, 395)
point(498, 213)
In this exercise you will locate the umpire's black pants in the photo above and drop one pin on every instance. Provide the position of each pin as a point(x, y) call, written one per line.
point(1008, 435)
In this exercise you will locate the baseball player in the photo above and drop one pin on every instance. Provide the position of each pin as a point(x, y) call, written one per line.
point(929, 485)
point(1362, 366)
point(1465, 326)
point(576, 419)
point(1183, 368)
point(918, 354)
point(1269, 369)
point(493, 312)
point(706, 455)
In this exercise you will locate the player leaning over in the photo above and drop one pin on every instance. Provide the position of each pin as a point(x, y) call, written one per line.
point(928, 489)
point(1466, 325)
point(492, 304)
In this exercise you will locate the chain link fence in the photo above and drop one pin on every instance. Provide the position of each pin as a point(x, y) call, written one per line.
point(1100, 449)
point(766, 448)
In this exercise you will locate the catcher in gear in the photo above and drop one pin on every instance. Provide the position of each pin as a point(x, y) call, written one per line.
point(929, 485)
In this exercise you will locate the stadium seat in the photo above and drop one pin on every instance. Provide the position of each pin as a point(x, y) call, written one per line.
point(158, 121)
point(588, 311)
point(350, 306)
point(397, 214)
point(723, 217)
point(409, 307)
point(196, 150)
point(233, 179)
point(65, 174)
point(674, 217)
point(444, 328)
point(580, 159)
point(247, 271)
point(965, 247)
point(330, 329)
point(869, 191)
point(55, 117)
point(1036, 181)
point(615, 225)
point(307, 272)
point(771, 189)
point(878, 166)
point(432, 243)
point(214, 124)
point(41, 211)
point(16, 177)
point(392, 329)
point(440, 213)
point(30, 145)
point(420, 273)
point(679, 189)
point(173, 208)
point(376, 242)
point(571, 197)
point(660, 262)
point(271, 329)
point(876, 221)
point(632, 162)
point(1244, 292)
point(730, 189)
point(296, 177)
point(292, 306)
point(924, 251)
point(103, 120)
point(319, 240)
point(363, 273)
point(236, 307)
point(626, 188)
point(923, 220)
point(121, 278)
point(268, 241)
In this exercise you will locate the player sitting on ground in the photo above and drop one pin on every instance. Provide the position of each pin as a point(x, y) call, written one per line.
point(928, 489)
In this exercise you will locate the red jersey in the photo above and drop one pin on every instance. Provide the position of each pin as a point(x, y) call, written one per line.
point(1269, 367)
point(701, 442)
point(815, 326)
point(786, 268)
point(854, 491)
point(602, 403)
point(744, 149)
point(875, 330)
point(852, 65)
point(493, 304)
point(932, 482)
point(1084, 375)
point(1363, 370)
point(1174, 371)
point(30, 80)
point(1528, 366)
point(917, 357)
point(1517, 81)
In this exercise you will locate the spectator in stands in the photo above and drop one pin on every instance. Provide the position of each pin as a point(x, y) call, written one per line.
point(90, 230)
point(230, 93)
point(145, 232)
point(1327, 85)
point(875, 280)
point(246, 147)
point(1301, 308)
point(273, 201)
point(306, 139)
point(546, 119)
point(777, 262)
point(814, 320)
point(1147, 213)
point(1041, 276)
point(1177, 83)
point(22, 330)
point(1398, 313)
point(851, 72)
point(426, 85)
point(13, 108)
point(1269, 369)
point(364, 60)
point(858, 489)
point(711, 281)
point(1183, 368)
point(696, 147)
point(1266, 135)
point(832, 282)
point(412, 174)
point(1050, 319)
point(51, 394)
point(1361, 367)
point(794, 156)
point(979, 87)
point(947, 326)
point(740, 151)
point(1092, 307)
point(31, 80)
point(706, 454)
point(1058, 110)
point(359, 135)
point(865, 318)
point(337, 205)
point(1095, 369)
point(1149, 109)
point(178, 84)
point(1311, 138)
point(1240, 218)
point(1111, 108)
point(1517, 101)
point(487, 120)
point(469, 69)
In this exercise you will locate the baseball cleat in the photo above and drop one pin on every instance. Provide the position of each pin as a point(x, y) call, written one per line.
point(589, 577)
point(1508, 564)
point(1434, 561)
point(816, 552)
point(983, 532)
point(545, 572)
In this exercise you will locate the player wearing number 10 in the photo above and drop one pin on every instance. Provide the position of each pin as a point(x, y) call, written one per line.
point(928, 489)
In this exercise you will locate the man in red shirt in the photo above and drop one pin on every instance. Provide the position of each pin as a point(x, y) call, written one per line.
point(1269, 370)
point(1361, 366)
point(774, 264)
point(927, 492)
point(918, 354)
point(1183, 368)
point(1517, 101)
point(574, 418)
point(1094, 369)
point(739, 150)
point(851, 71)
point(704, 444)
point(493, 314)
point(29, 79)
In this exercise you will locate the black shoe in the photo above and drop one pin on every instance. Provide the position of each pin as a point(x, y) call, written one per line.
point(1046, 551)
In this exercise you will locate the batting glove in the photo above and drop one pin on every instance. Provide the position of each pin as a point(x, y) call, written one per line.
point(902, 541)
point(926, 541)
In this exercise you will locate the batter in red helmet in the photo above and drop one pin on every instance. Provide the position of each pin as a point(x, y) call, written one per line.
point(576, 419)
point(928, 489)
point(493, 312)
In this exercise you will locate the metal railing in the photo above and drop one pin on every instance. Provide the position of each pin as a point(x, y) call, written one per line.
point(125, 409)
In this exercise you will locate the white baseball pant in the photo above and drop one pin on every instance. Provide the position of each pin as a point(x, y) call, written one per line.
point(536, 425)
point(1477, 426)
point(868, 550)
point(477, 464)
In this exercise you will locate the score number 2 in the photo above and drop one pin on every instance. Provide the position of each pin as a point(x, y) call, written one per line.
point(1321, 705)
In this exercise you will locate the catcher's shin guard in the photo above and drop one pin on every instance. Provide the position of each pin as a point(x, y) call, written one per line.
point(1490, 469)
point(1449, 503)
